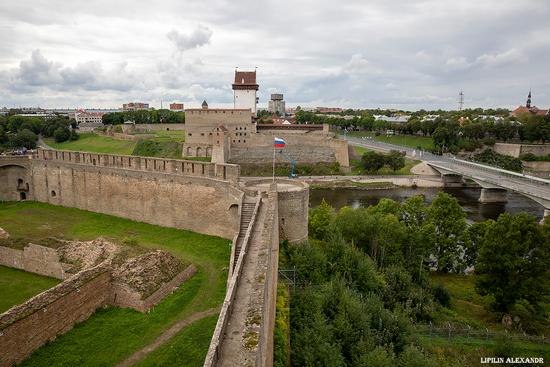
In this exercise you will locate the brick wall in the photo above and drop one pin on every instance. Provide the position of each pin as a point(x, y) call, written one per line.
point(28, 326)
point(123, 296)
point(35, 259)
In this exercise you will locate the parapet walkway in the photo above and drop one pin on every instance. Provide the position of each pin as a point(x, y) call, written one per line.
point(241, 339)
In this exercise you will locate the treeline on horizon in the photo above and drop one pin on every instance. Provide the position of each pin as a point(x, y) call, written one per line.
point(18, 132)
point(451, 131)
point(163, 116)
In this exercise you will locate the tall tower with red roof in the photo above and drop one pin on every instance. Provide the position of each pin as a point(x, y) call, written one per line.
point(245, 90)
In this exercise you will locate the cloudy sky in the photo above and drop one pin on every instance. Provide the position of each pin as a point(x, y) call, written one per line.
point(408, 54)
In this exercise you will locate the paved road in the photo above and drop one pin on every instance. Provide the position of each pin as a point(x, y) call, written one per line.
point(536, 188)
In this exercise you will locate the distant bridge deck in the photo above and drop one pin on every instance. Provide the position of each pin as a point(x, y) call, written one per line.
point(535, 188)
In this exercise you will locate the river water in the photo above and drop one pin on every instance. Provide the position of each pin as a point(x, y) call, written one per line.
point(467, 197)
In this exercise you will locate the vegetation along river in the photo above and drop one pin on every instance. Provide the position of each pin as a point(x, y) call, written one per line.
point(467, 197)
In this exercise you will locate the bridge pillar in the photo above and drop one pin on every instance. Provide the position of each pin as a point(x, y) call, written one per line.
point(452, 180)
point(493, 195)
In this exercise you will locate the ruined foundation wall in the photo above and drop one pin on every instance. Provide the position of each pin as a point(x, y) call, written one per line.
point(26, 327)
point(34, 259)
point(123, 296)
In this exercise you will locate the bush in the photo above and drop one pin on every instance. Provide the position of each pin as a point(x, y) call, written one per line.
point(441, 295)
point(62, 134)
point(489, 140)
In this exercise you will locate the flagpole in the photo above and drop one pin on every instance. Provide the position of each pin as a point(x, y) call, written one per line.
point(273, 160)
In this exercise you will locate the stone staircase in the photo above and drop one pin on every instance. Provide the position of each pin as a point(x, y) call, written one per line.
point(246, 216)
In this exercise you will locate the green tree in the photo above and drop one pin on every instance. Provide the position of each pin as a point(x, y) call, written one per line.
point(513, 261)
point(372, 161)
point(396, 160)
point(25, 138)
point(449, 226)
point(62, 134)
point(319, 220)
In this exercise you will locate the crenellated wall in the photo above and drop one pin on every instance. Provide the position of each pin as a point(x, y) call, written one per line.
point(171, 193)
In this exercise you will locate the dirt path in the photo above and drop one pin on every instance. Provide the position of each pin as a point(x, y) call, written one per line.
point(167, 335)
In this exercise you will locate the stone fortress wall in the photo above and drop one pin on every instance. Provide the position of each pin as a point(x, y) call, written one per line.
point(515, 150)
point(169, 193)
point(198, 196)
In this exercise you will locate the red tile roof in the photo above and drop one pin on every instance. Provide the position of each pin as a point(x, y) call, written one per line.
point(245, 77)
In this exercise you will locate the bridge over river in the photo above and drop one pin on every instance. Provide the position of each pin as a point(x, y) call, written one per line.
point(495, 182)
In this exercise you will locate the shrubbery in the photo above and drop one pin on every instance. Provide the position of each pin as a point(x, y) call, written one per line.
point(490, 157)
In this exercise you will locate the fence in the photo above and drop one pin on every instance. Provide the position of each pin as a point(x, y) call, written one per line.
point(468, 332)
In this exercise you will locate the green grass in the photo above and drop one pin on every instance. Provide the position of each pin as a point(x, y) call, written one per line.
point(90, 142)
point(18, 286)
point(187, 348)
point(467, 306)
point(412, 141)
point(465, 352)
point(161, 149)
point(357, 170)
point(112, 334)
point(168, 136)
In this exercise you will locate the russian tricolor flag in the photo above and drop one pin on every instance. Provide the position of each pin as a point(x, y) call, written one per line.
point(279, 143)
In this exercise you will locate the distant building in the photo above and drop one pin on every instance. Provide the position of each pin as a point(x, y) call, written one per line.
point(328, 110)
point(135, 106)
point(245, 91)
point(400, 119)
point(276, 104)
point(83, 116)
point(176, 107)
point(528, 109)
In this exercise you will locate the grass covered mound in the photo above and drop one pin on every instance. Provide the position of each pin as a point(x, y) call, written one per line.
point(160, 149)
point(90, 142)
point(112, 334)
point(283, 169)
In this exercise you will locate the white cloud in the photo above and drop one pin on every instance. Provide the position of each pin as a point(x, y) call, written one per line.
point(313, 51)
point(200, 36)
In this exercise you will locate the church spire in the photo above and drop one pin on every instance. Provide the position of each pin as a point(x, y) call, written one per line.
point(528, 104)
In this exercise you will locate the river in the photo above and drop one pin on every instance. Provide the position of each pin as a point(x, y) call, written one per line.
point(467, 197)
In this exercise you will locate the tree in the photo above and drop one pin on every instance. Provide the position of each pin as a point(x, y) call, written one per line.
point(25, 138)
point(62, 134)
point(449, 226)
point(513, 261)
point(396, 160)
point(372, 161)
point(319, 220)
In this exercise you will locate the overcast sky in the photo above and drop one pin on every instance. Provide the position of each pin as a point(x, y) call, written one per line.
point(405, 54)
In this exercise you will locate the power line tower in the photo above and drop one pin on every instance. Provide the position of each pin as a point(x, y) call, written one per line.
point(460, 100)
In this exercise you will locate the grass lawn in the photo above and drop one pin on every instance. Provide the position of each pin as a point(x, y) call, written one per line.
point(90, 142)
point(405, 140)
point(467, 306)
point(187, 348)
point(169, 135)
point(357, 170)
point(161, 149)
point(466, 352)
point(18, 286)
point(113, 334)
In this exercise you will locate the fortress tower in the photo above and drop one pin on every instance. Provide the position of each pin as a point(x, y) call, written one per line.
point(245, 90)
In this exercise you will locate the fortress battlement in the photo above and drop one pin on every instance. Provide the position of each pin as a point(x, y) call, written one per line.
point(224, 172)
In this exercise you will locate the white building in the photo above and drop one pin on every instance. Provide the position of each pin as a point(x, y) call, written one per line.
point(245, 91)
point(82, 116)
